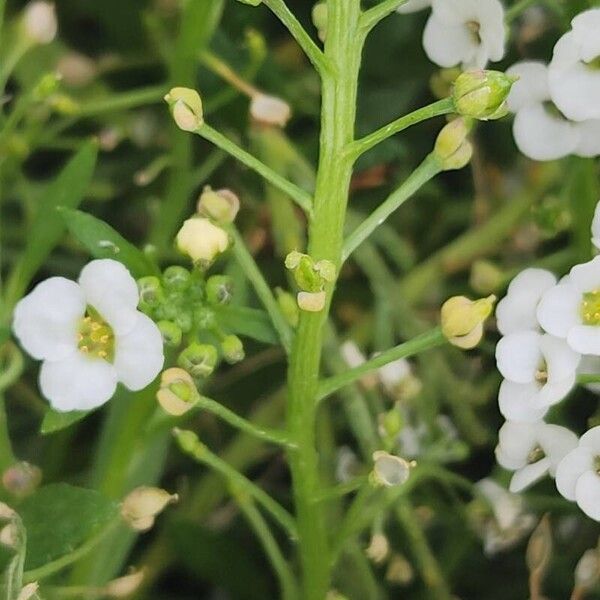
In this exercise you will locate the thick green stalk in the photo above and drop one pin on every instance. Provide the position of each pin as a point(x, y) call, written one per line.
point(339, 90)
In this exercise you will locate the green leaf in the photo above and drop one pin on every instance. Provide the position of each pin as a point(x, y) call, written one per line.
point(47, 228)
point(60, 518)
point(102, 241)
point(248, 322)
point(55, 421)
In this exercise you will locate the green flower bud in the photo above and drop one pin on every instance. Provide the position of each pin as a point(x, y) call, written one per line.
point(171, 333)
point(219, 289)
point(233, 349)
point(189, 443)
point(305, 274)
point(46, 86)
point(151, 292)
point(220, 205)
point(199, 360)
point(205, 318)
point(186, 108)
point(482, 94)
point(452, 148)
point(176, 279)
point(184, 321)
point(289, 307)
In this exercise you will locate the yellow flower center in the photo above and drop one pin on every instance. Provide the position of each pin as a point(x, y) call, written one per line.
point(590, 308)
point(95, 337)
point(474, 28)
point(535, 455)
point(594, 64)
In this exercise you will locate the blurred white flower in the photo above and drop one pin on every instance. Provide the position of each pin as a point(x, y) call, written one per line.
point(270, 110)
point(541, 132)
point(577, 475)
point(539, 370)
point(596, 227)
point(39, 21)
point(571, 310)
point(414, 6)
point(517, 310)
point(532, 450)
point(90, 336)
point(467, 32)
point(573, 73)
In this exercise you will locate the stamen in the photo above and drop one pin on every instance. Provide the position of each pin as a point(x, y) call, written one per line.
point(535, 455)
point(590, 308)
point(95, 337)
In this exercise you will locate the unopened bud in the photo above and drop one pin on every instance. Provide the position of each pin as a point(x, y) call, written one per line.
point(389, 470)
point(288, 307)
point(39, 22)
point(171, 333)
point(269, 110)
point(220, 205)
point(219, 290)
point(189, 443)
point(205, 317)
point(21, 479)
point(186, 108)
point(46, 86)
point(452, 148)
point(390, 423)
point(202, 241)
point(76, 69)
point(141, 507)
point(151, 292)
point(462, 320)
point(64, 105)
point(319, 19)
point(176, 279)
point(311, 301)
point(378, 549)
point(232, 348)
point(125, 586)
point(199, 360)
point(587, 571)
point(482, 94)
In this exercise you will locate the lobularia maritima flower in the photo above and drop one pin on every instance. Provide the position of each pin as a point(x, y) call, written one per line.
point(540, 130)
point(89, 335)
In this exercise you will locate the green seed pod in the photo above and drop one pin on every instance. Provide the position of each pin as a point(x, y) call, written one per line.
point(199, 360)
point(219, 289)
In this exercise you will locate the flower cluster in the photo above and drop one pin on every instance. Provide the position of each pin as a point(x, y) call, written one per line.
point(556, 106)
point(550, 334)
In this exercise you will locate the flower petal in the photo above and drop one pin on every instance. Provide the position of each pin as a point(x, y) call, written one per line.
point(543, 136)
point(585, 32)
point(585, 339)
point(139, 354)
point(587, 492)
point(589, 138)
point(596, 224)
point(517, 440)
point(561, 360)
point(556, 442)
point(112, 291)
point(448, 45)
point(519, 356)
point(46, 320)
point(531, 87)
point(570, 469)
point(586, 276)
point(77, 382)
point(490, 15)
point(516, 402)
point(558, 310)
point(554, 392)
point(528, 475)
point(591, 440)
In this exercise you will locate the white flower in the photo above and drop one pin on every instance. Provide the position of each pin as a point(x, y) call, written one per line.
point(517, 310)
point(539, 370)
point(574, 75)
point(467, 32)
point(571, 310)
point(269, 110)
point(414, 6)
point(39, 21)
point(541, 132)
point(532, 450)
point(90, 336)
point(577, 475)
point(596, 227)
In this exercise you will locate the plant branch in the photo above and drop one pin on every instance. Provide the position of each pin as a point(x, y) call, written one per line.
point(374, 15)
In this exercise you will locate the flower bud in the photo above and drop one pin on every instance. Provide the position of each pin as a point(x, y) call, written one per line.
point(176, 279)
point(233, 349)
point(288, 307)
point(76, 69)
point(389, 470)
point(269, 110)
point(311, 301)
point(189, 443)
point(171, 333)
point(151, 293)
point(452, 148)
point(587, 571)
point(219, 290)
point(220, 205)
point(390, 423)
point(21, 479)
point(399, 570)
point(199, 360)
point(39, 22)
point(462, 320)
point(202, 241)
point(482, 94)
point(378, 549)
point(186, 108)
point(141, 507)
point(319, 19)
point(177, 392)
point(46, 86)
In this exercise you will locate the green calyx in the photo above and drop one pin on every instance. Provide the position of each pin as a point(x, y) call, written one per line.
point(310, 276)
point(482, 94)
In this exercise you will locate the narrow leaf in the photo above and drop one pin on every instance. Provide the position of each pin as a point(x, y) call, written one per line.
point(55, 421)
point(248, 322)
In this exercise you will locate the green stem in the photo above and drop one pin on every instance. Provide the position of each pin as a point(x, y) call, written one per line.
point(124, 101)
point(200, 453)
point(266, 434)
point(287, 582)
point(424, 342)
point(585, 378)
point(426, 171)
point(300, 196)
point(342, 489)
point(343, 49)
point(374, 15)
point(7, 458)
point(262, 289)
point(441, 107)
point(312, 51)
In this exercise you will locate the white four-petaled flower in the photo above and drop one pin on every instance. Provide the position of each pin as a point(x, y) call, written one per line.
point(573, 73)
point(467, 32)
point(90, 336)
point(532, 450)
point(541, 132)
